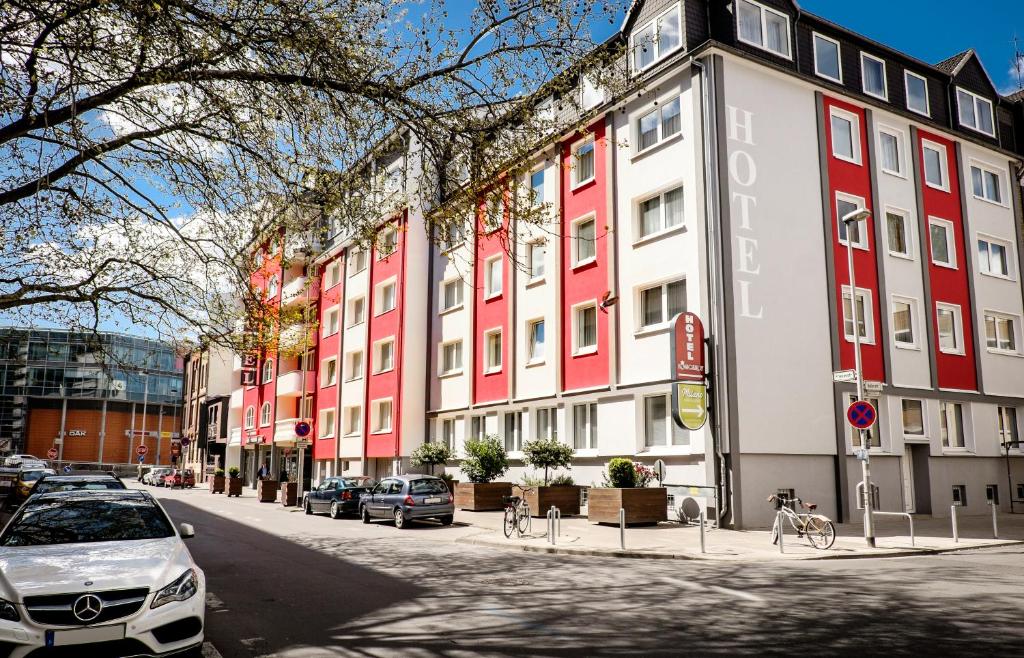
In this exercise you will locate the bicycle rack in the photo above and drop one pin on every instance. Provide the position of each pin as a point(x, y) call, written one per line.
point(905, 515)
point(554, 517)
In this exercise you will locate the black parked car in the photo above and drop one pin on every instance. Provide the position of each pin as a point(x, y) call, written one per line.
point(403, 498)
point(337, 496)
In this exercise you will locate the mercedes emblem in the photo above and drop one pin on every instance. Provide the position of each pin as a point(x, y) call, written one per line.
point(87, 607)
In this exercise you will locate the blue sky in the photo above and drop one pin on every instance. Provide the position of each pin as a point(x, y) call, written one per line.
point(932, 30)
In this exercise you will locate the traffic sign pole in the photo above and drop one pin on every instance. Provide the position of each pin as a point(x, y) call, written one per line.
point(869, 518)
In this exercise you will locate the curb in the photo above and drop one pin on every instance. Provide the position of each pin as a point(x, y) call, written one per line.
point(476, 540)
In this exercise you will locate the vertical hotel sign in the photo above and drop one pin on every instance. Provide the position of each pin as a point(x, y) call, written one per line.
point(689, 390)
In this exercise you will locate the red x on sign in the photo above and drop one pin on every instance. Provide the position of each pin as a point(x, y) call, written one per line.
point(861, 414)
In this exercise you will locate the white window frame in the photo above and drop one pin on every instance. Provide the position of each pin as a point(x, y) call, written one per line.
point(531, 248)
point(664, 228)
point(1015, 324)
point(457, 367)
point(250, 417)
point(862, 225)
point(915, 325)
point(976, 99)
point(591, 425)
point(516, 444)
point(885, 77)
point(815, 36)
point(493, 368)
point(662, 138)
point(375, 415)
point(671, 429)
point(480, 421)
point(490, 292)
point(576, 182)
point(353, 412)
point(869, 314)
point(460, 299)
point(947, 408)
point(989, 240)
point(986, 168)
point(456, 237)
point(574, 228)
point(943, 164)
point(325, 429)
point(666, 319)
point(378, 294)
point(352, 372)
point(378, 353)
point(950, 242)
point(908, 232)
point(906, 91)
point(536, 201)
point(328, 329)
point(900, 151)
point(958, 327)
point(550, 419)
point(1006, 427)
point(272, 287)
point(656, 42)
point(591, 94)
point(576, 310)
point(764, 31)
point(384, 241)
point(265, 410)
point(532, 358)
point(358, 262)
point(874, 433)
point(333, 275)
point(267, 371)
point(494, 218)
point(325, 380)
point(924, 419)
point(351, 316)
point(855, 136)
point(448, 433)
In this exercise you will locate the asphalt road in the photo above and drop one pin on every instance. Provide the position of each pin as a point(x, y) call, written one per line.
point(310, 586)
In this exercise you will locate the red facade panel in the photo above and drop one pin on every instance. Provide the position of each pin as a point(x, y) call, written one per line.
point(331, 295)
point(256, 396)
point(490, 311)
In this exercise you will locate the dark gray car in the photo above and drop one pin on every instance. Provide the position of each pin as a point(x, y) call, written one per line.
point(403, 498)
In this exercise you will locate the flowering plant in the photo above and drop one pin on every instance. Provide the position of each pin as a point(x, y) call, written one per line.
point(644, 474)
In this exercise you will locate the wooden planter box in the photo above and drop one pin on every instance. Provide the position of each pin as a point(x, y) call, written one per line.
point(482, 496)
point(648, 505)
point(235, 487)
point(217, 484)
point(289, 491)
point(266, 491)
point(540, 499)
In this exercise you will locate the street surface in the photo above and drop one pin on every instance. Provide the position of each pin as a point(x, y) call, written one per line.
point(310, 586)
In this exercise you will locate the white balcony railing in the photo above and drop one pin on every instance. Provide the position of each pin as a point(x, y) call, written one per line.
point(295, 292)
point(284, 430)
point(235, 436)
point(237, 398)
point(289, 384)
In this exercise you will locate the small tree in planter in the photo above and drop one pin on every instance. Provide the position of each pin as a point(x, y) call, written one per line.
point(550, 454)
point(234, 482)
point(625, 487)
point(430, 455)
point(485, 460)
point(217, 481)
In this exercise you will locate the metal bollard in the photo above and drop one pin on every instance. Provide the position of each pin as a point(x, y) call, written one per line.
point(956, 532)
point(911, 519)
point(558, 521)
point(622, 528)
point(702, 532)
point(995, 521)
point(778, 521)
point(551, 525)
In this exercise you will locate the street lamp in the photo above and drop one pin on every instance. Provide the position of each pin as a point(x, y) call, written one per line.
point(850, 219)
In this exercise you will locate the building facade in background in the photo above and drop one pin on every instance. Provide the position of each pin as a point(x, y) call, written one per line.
point(207, 389)
point(713, 183)
point(93, 397)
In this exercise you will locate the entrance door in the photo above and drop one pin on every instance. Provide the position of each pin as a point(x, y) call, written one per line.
point(908, 480)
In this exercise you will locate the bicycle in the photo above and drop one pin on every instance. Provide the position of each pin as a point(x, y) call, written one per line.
point(819, 529)
point(517, 514)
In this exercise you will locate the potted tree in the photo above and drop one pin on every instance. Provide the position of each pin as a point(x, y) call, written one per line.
point(485, 460)
point(561, 492)
point(431, 455)
point(234, 482)
point(217, 481)
point(625, 487)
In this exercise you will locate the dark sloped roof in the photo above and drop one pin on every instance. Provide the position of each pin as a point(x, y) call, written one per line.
point(1016, 96)
point(953, 63)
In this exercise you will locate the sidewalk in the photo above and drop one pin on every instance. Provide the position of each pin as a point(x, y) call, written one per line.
point(674, 541)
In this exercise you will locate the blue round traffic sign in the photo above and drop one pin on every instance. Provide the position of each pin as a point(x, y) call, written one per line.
point(861, 414)
point(301, 428)
point(67, 469)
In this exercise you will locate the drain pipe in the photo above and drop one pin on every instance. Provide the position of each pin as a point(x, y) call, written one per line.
point(711, 216)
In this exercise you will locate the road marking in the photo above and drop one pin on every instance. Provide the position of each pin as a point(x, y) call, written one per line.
point(699, 587)
point(753, 598)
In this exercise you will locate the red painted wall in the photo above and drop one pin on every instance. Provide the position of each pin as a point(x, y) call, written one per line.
point(949, 285)
point(255, 396)
point(327, 397)
point(386, 384)
point(853, 179)
point(587, 282)
point(491, 313)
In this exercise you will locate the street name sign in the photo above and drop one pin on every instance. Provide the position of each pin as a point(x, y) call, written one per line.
point(844, 375)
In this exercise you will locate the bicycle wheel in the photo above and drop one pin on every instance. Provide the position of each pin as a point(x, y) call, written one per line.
point(510, 521)
point(524, 518)
point(820, 532)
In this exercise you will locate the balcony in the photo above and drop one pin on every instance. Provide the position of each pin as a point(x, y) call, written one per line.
point(296, 292)
point(289, 384)
point(235, 436)
point(237, 396)
point(284, 430)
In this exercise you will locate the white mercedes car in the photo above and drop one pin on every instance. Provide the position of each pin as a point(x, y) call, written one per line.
point(98, 573)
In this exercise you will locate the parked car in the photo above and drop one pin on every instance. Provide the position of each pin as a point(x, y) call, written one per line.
point(337, 496)
point(27, 479)
point(77, 482)
point(180, 478)
point(404, 498)
point(155, 476)
point(15, 460)
point(106, 568)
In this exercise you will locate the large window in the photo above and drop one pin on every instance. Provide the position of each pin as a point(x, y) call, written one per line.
point(951, 424)
point(357, 263)
point(268, 371)
point(658, 125)
point(547, 423)
point(1007, 423)
point(354, 366)
point(331, 316)
point(656, 39)
point(913, 418)
point(451, 295)
point(451, 358)
point(992, 257)
point(898, 229)
point(513, 431)
point(584, 329)
point(584, 241)
point(477, 427)
point(325, 429)
point(943, 248)
point(975, 112)
point(535, 338)
point(265, 414)
point(492, 276)
point(865, 321)
point(332, 275)
point(448, 433)
point(356, 311)
point(659, 428)
point(661, 303)
point(891, 151)
point(951, 334)
point(917, 93)
point(583, 163)
point(353, 420)
point(536, 252)
point(873, 76)
point(386, 297)
point(763, 27)
point(826, 58)
point(584, 426)
point(661, 213)
point(329, 373)
point(250, 418)
point(903, 322)
point(381, 414)
point(985, 183)
point(1000, 332)
point(858, 231)
point(384, 355)
point(845, 135)
point(492, 351)
point(935, 166)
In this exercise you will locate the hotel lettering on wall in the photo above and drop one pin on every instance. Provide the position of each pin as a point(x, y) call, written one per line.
point(743, 174)
point(689, 391)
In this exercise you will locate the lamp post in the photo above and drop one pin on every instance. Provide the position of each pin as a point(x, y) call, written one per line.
point(851, 219)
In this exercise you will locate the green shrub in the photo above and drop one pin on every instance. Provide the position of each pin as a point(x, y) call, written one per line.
point(430, 455)
point(547, 453)
point(532, 481)
point(234, 472)
point(563, 480)
point(621, 473)
point(448, 480)
point(219, 473)
point(485, 459)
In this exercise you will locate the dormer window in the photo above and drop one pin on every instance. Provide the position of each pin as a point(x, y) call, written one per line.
point(765, 28)
point(872, 72)
point(591, 93)
point(657, 39)
point(975, 112)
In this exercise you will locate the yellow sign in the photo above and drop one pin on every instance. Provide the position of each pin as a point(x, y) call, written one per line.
point(166, 435)
point(690, 405)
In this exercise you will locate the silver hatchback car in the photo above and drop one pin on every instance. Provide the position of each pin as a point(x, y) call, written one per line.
point(403, 498)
